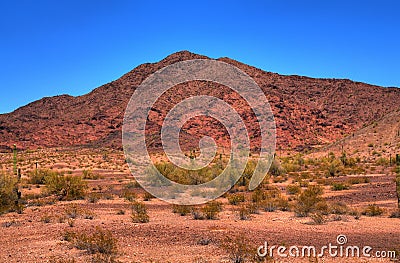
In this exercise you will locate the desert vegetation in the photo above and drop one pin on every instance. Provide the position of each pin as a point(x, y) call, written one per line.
point(299, 190)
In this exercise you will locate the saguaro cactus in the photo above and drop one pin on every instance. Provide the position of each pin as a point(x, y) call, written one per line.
point(15, 159)
point(398, 186)
point(17, 172)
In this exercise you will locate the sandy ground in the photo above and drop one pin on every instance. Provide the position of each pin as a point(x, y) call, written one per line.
point(169, 237)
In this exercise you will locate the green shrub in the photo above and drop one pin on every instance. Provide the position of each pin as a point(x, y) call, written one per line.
point(211, 209)
point(181, 209)
point(276, 169)
point(240, 251)
point(291, 167)
point(253, 208)
point(8, 194)
point(235, 199)
point(334, 168)
point(372, 210)
point(244, 212)
point(93, 197)
point(197, 214)
point(382, 161)
point(39, 176)
point(395, 214)
point(46, 218)
point(132, 185)
point(257, 196)
point(129, 196)
point(339, 186)
point(180, 175)
point(121, 212)
point(359, 180)
point(317, 218)
point(139, 213)
point(72, 211)
point(398, 186)
point(90, 175)
point(338, 208)
point(98, 242)
point(65, 187)
point(293, 189)
point(147, 196)
point(310, 201)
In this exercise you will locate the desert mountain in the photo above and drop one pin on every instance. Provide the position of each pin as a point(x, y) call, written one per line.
point(309, 112)
point(380, 138)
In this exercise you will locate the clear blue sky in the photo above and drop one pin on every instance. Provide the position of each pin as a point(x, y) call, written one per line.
point(71, 47)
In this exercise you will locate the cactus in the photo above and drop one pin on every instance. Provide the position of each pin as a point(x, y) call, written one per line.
point(15, 159)
point(398, 186)
point(17, 172)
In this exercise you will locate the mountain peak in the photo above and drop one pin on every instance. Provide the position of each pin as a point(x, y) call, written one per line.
point(308, 112)
point(181, 56)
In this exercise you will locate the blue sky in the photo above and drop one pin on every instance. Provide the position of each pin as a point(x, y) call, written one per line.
point(49, 48)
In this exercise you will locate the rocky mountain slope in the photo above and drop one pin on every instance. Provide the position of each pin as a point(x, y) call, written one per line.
point(379, 139)
point(308, 112)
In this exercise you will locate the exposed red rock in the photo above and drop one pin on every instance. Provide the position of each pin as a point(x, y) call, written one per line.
point(308, 112)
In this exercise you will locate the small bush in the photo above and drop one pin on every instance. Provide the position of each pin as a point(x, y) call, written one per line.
point(276, 169)
point(94, 197)
point(46, 218)
point(293, 189)
point(72, 211)
point(90, 175)
point(71, 222)
point(129, 196)
point(197, 214)
point(99, 242)
point(139, 213)
point(339, 186)
point(334, 168)
point(239, 250)
point(395, 214)
point(8, 194)
point(397, 180)
point(338, 208)
point(253, 208)
point(317, 218)
point(235, 199)
point(39, 176)
point(211, 209)
point(181, 209)
point(147, 196)
point(355, 213)
point(121, 212)
point(244, 212)
point(373, 210)
point(257, 196)
point(132, 185)
point(359, 180)
point(269, 205)
point(66, 187)
point(10, 223)
point(310, 201)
